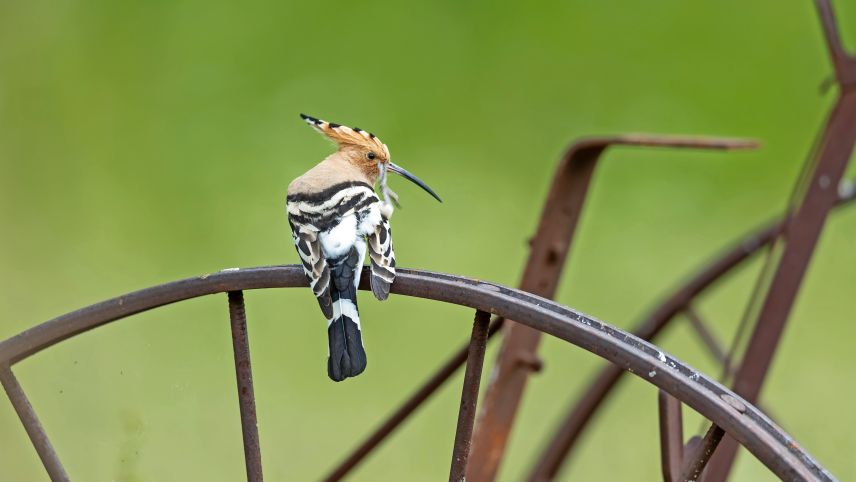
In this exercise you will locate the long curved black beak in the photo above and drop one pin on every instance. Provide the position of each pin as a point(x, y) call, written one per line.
point(404, 173)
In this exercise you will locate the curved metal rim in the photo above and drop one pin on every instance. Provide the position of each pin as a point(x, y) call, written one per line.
point(766, 441)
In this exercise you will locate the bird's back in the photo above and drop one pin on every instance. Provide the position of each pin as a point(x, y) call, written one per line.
point(331, 209)
point(336, 202)
point(326, 174)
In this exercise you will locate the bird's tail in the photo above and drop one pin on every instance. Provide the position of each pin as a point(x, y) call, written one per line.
point(347, 357)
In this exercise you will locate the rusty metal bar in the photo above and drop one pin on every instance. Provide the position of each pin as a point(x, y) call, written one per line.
point(708, 339)
point(32, 425)
point(671, 436)
point(246, 395)
point(548, 251)
point(469, 397)
point(551, 460)
point(766, 441)
point(691, 446)
point(410, 405)
point(580, 414)
point(844, 64)
point(698, 454)
point(802, 234)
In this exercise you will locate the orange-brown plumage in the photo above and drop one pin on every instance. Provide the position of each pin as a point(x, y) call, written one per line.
point(360, 148)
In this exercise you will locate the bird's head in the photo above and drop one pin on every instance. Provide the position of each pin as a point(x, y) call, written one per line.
point(365, 151)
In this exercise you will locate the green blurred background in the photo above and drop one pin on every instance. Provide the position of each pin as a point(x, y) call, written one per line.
point(142, 142)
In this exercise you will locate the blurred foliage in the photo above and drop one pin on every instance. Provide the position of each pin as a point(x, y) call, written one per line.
point(142, 142)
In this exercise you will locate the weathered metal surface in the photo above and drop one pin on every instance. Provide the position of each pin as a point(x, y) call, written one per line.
point(671, 436)
point(580, 414)
point(246, 394)
point(771, 445)
point(699, 454)
point(843, 63)
point(801, 235)
point(32, 425)
point(469, 397)
point(549, 248)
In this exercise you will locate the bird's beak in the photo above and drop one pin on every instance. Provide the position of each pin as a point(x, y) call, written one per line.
point(404, 173)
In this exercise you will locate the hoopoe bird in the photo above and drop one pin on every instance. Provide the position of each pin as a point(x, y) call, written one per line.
point(334, 213)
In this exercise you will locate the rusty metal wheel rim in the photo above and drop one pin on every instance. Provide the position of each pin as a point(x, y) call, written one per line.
point(744, 422)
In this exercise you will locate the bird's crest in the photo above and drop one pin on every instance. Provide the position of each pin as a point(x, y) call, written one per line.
point(347, 136)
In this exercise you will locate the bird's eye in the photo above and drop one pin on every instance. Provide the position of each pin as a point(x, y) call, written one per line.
point(371, 156)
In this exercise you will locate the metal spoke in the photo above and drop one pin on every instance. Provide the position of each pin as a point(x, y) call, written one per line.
point(32, 425)
point(844, 64)
point(699, 453)
point(246, 395)
point(671, 436)
point(708, 339)
point(469, 397)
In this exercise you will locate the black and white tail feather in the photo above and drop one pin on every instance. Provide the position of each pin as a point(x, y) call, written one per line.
point(347, 357)
point(331, 230)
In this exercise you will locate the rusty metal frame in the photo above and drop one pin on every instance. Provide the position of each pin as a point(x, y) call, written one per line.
point(801, 234)
point(749, 426)
point(517, 358)
point(549, 249)
point(680, 302)
point(803, 226)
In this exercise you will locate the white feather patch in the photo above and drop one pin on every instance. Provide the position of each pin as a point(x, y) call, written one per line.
point(340, 238)
point(370, 219)
point(361, 251)
point(347, 308)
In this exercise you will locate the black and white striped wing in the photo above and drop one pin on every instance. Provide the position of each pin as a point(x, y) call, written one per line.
point(382, 259)
point(315, 267)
